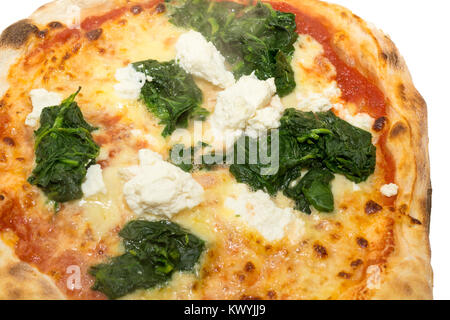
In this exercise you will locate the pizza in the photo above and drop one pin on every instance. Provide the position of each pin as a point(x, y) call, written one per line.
point(201, 149)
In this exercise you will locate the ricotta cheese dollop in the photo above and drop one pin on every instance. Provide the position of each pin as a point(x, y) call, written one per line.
point(259, 212)
point(158, 187)
point(201, 58)
point(250, 106)
point(389, 190)
point(130, 82)
point(94, 181)
point(40, 99)
point(318, 102)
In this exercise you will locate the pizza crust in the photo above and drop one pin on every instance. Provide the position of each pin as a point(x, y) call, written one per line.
point(406, 273)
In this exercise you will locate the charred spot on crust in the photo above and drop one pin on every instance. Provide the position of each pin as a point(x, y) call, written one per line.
point(160, 8)
point(42, 33)
point(415, 221)
point(9, 141)
point(356, 263)
point(392, 58)
point(363, 243)
point(136, 9)
point(344, 275)
point(321, 251)
point(2, 197)
point(271, 294)
point(379, 124)
point(17, 34)
point(372, 207)
point(249, 266)
point(55, 25)
point(94, 34)
point(398, 129)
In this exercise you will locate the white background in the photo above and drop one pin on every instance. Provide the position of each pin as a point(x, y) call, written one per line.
point(420, 30)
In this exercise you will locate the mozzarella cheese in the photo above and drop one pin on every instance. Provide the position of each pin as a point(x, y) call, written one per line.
point(249, 106)
point(158, 187)
point(94, 181)
point(40, 99)
point(201, 58)
point(130, 82)
point(318, 102)
point(259, 212)
point(389, 190)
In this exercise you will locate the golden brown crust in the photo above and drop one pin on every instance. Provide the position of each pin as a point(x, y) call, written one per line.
point(406, 272)
point(18, 280)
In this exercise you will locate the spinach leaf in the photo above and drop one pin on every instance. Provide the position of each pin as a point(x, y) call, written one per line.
point(188, 158)
point(252, 38)
point(64, 150)
point(313, 189)
point(349, 150)
point(172, 95)
point(319, 142)
point(154, 251)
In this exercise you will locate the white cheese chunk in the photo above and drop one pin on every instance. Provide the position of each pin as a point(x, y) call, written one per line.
point(94, 181)
point(130, 82)
point(360, 120)
point(201, 58)
point(389, 190)
point(40, 99)
point(249, 106)
point(318, 102)
point(259, 212)
point(158, 187)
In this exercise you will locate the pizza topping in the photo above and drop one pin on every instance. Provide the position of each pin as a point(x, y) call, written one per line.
point(94, 181)
point(40, 99)
point(153, 252)
point(171, 95)
point(158, 187)
point(64, 151)
point(199, 57)
point(252, 38)
point(319, 142)
point(130, 82)
point(318, 102)
point(372, 207)
point(259, 211)
point(389, 190)
point(248, 106)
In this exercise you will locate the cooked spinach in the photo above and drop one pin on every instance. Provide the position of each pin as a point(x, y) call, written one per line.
point(172, 95)
point(313, 189)
point(64, 150)
point(153, 252)
point(193, 157)
point(252, 38)
point(319, 142)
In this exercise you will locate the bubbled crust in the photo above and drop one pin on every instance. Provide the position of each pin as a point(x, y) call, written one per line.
point(406, 273)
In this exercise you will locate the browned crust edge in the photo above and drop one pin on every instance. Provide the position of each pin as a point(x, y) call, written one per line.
point(407, 274)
